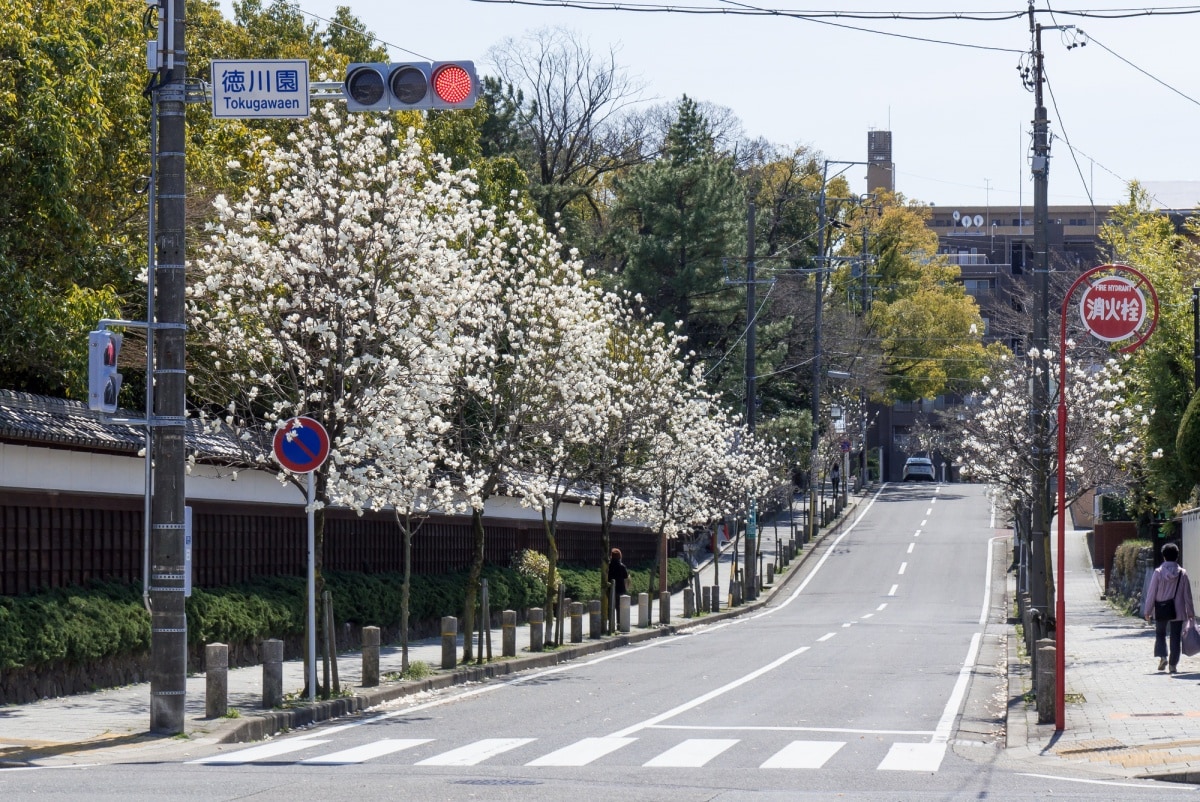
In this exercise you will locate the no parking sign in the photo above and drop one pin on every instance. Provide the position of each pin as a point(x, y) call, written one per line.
point(302, 445)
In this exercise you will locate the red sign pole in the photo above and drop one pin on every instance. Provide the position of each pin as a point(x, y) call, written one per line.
point(1111, 311)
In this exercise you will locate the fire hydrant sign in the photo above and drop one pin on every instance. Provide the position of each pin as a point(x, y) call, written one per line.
point(260, 89)
point(1113, 308)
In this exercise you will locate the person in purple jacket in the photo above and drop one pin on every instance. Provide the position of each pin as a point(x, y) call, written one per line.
point(1169, 583)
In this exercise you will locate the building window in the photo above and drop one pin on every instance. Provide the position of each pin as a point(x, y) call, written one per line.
point(977, 287)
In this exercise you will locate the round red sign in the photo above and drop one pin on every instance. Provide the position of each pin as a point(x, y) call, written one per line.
point(1113, 308)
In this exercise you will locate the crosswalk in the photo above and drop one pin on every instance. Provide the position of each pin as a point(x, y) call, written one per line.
point(689, 753)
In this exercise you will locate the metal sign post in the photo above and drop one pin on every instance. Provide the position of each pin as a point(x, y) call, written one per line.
point(1113, 308)
point(302, 445)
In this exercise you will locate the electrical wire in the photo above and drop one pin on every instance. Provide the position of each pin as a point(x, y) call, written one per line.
point(734, 344)
point(1152, 77)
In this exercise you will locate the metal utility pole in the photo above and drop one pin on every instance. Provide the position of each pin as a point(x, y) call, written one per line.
point(1041, 588)
point(168, 634)
point(751, 556)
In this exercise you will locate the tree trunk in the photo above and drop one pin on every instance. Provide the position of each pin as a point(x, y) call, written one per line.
point(468, 622)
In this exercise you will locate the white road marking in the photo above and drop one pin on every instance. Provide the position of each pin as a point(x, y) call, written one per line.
point(692, 753)
point(582, 752)
point(713, 694)
point(892, 592)
point(903, 568)
point(1157, 786)
point(925, 521)
point(911, 546)
point(273, 749)
point(761, 728)
point(803, 755)
point(869, 615)
point(881, 607)
point(913, 757)
point(475, 753)
point(826, 637)
point(361, 754)
point(927, 512)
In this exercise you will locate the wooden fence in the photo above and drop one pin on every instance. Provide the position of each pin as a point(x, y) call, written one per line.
point(50, 540)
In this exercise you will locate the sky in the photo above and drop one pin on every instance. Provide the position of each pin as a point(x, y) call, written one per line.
point(1120, 107)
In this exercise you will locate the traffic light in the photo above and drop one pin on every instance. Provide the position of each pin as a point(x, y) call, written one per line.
point(411, 85)
point(104, 383)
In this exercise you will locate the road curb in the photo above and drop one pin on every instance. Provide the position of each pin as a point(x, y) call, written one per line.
point(257, 725)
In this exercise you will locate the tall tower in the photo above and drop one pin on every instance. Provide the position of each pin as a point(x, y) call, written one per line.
point(880, 169)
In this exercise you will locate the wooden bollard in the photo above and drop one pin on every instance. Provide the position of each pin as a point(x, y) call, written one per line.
point(664, 607)
point(623, 613)
point(216, 680)
point(537, 632)
point(576, 622)
point(594, 629)
point(450, 641)
point(508, 635)
point(370, 657)
point(272, 682)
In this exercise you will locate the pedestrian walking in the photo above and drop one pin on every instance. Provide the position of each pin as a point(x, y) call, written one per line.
point(835, 476)
point(1169, 601)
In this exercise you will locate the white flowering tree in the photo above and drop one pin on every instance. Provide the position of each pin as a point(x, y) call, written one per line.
point(342, 288)
point(1104, 434)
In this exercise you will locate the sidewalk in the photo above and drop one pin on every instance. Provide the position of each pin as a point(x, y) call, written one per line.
point(113, 724)
point(1123, 717)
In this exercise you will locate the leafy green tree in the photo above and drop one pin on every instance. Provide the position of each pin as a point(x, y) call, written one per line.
point(676, 222)
point(1162, 368)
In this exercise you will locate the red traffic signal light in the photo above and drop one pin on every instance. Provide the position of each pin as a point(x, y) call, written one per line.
point(411, 85)
point(104, 382)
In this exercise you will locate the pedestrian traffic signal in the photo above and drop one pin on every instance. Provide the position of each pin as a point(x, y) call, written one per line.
point(410, 85)
point(104, 382)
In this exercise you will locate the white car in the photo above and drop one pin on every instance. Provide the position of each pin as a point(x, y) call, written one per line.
point(918, 468)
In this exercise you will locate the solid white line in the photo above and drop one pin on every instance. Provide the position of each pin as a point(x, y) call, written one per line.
point(750, 728)
point(826, 637)
point(892, 592)
point(946, 723)
point(803, 755)
point(1156, 785)
point(475, 753)
point(987, 584)
point(903, 567)
point(914, 757)
point(713, 694)
point(692, 753)
point(582, 752)
point(365, 752)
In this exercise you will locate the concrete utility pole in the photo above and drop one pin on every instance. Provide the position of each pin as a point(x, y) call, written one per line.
point(814, 473)
point(751, 556)
point(1040, 585)
point(168, 634)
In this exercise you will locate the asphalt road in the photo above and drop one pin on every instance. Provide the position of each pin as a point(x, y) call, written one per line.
point(848, 686)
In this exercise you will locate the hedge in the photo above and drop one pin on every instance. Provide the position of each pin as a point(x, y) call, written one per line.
point(81, 625)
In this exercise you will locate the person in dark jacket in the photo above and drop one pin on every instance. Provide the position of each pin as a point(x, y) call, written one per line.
point(1169, 583)
point(618, 574)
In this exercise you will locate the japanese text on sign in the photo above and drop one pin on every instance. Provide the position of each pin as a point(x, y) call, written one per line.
point(260, 88)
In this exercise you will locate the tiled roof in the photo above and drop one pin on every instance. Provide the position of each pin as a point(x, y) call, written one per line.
point(30, 419)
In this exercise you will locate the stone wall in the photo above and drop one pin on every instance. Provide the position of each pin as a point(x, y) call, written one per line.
point(1129, 575)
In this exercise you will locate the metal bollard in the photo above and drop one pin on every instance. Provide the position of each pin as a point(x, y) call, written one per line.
point(450, 641)
point(576, 622)
point(664, 607)
point(508, 638)
point(272, 683)
point(370, 657)
point(689, 603)
point(594, 618)
point(623, 613)
point(216, 680)
point(643, 610)
point(537, 633)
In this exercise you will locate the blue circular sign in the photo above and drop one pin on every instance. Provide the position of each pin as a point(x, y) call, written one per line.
point(302, 445)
